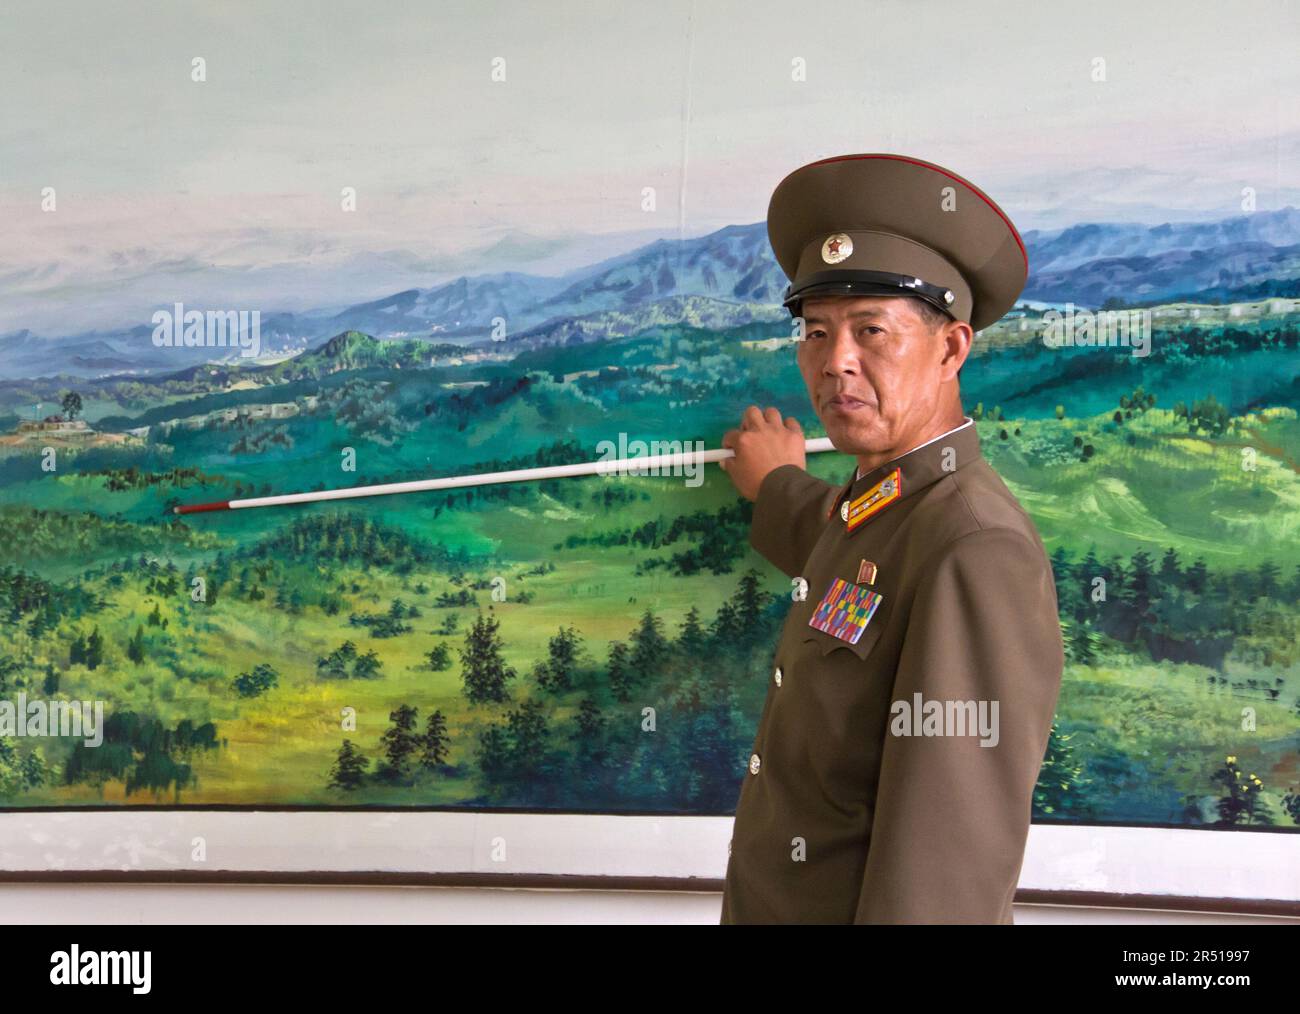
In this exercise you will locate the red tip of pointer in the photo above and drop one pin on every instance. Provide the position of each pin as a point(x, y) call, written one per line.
point(202, 508)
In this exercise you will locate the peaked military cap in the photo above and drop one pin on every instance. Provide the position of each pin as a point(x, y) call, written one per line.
point(876, 224)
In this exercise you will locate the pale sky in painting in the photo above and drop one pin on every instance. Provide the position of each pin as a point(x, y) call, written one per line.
point(230, 189)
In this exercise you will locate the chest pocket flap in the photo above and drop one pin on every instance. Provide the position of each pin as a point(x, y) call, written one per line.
point(829, 642)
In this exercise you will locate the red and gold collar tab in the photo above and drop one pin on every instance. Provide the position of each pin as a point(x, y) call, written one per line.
point(873, 501)
point(911, 473)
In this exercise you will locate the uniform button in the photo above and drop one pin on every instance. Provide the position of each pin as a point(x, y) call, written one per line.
point(777, 676)
point(753, 763)
point(844, 511)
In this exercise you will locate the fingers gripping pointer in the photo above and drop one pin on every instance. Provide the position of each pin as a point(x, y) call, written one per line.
point(763, 442)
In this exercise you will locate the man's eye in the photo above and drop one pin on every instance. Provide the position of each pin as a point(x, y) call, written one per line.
point(870, 329)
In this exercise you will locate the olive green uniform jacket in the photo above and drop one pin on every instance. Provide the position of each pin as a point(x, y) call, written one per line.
point(842, 818)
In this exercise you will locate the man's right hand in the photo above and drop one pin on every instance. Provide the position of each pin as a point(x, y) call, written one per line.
point(764, 441)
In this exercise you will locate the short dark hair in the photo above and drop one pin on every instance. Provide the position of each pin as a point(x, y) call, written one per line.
point(933, 318)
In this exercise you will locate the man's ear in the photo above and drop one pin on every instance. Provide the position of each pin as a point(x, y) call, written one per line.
point(957, 337)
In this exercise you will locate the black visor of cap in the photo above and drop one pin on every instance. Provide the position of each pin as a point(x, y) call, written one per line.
point(857, 282)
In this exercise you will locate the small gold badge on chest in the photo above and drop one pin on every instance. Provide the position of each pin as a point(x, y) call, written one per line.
point(873, 501)
point(866, 572)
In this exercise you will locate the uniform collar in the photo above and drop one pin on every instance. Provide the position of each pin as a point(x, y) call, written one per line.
point(922, 465)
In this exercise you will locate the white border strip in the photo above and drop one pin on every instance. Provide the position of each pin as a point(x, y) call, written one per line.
point(1114, 860)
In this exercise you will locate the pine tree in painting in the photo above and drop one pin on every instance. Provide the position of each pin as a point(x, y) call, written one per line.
point(349, 769)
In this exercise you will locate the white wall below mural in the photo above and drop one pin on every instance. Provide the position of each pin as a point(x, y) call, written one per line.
point(1120, 861)
point(146, 904)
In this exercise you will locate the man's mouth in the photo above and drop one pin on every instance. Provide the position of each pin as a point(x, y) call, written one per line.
point(846, 403)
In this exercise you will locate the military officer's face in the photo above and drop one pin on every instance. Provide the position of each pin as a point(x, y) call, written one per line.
point(877, 374)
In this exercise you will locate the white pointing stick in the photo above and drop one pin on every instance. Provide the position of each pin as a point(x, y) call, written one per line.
point(657, 461)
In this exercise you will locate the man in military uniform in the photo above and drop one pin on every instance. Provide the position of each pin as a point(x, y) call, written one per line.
point(912, 690)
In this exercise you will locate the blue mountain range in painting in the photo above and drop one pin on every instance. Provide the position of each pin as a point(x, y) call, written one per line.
point(1246, 257)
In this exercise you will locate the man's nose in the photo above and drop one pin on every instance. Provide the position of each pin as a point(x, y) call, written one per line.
point(842, 354)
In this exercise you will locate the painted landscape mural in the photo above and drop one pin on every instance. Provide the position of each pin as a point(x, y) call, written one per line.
point(499, 644)
point(602, 644)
